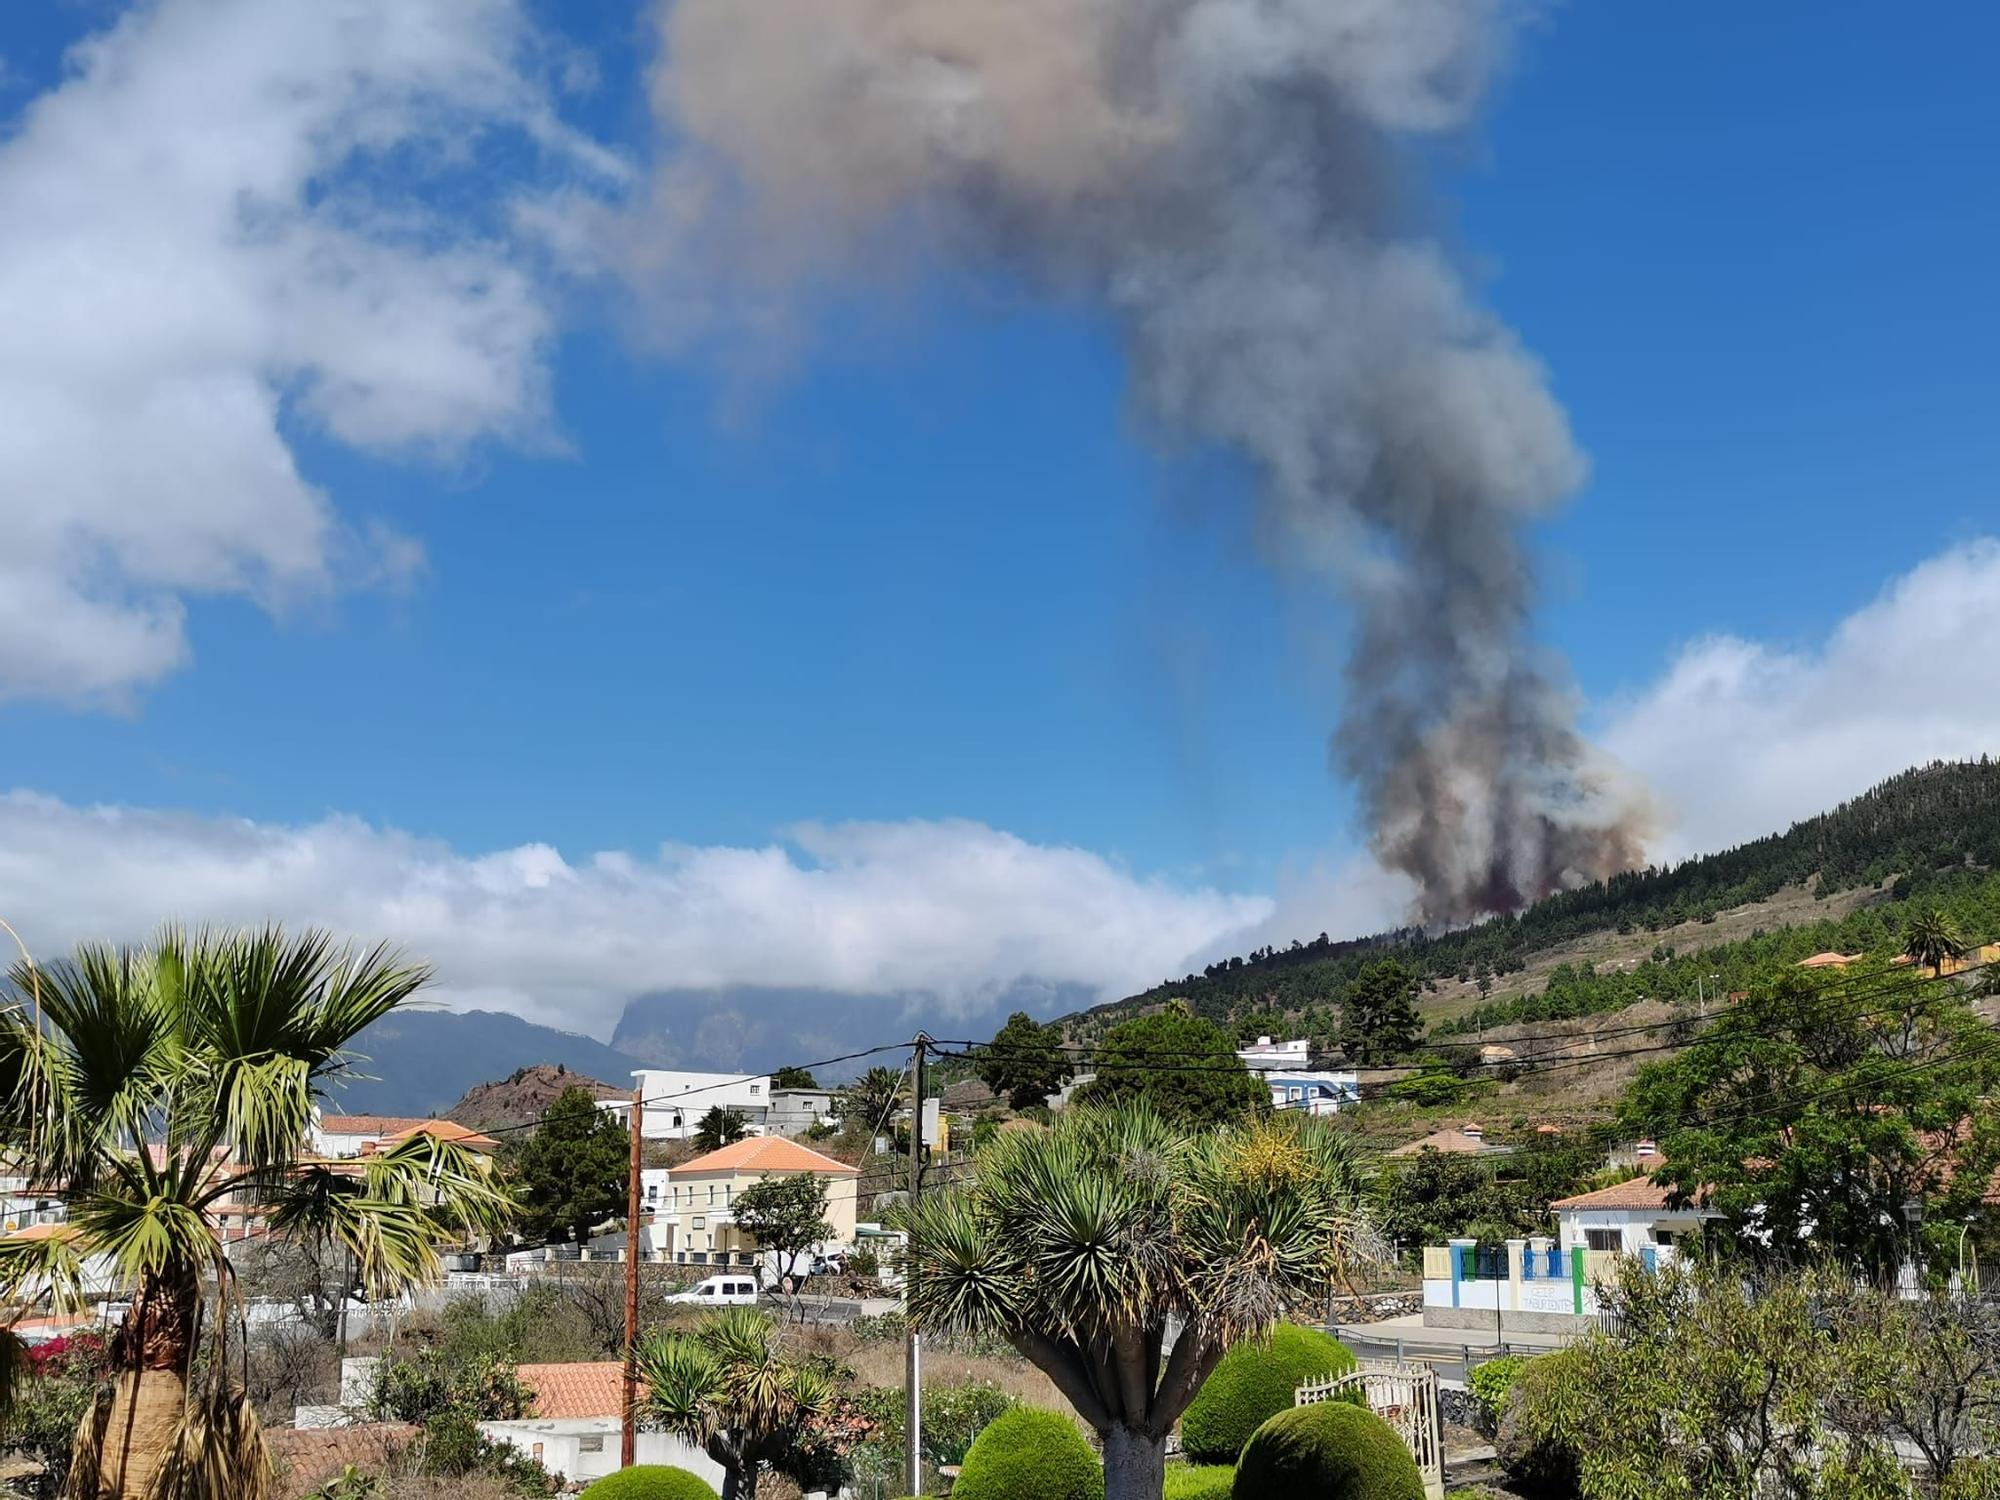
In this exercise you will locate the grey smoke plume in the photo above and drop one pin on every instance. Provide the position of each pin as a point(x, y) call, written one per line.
point(1231, 179)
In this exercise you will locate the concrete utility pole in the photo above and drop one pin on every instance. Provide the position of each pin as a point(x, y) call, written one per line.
point(628, 1442)
point(913, 1415)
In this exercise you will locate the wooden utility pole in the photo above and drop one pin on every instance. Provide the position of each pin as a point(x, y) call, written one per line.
point(913, 1416)
point(628, 1442)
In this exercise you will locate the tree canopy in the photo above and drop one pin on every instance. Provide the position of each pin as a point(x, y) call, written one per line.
point(1809, 1117)
point(151, 1090)
point(1378, 1014)
point(785, 1216)
point(719, 1127)
point(731, 1387)
point(791, 1077)
point(1025, 1062)
point(571, 1174)
point(1082, 1244)
point(871, 1098)
point(1180, 1064)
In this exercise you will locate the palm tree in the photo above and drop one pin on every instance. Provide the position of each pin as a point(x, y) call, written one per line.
point(1933, 938)
point(731, 1388)
point(1086, 1244)
point(719, 1127)
point(152, 1089)
point(871, 1097)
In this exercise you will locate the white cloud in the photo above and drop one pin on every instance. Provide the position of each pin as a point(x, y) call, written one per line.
point(1740, 739)
point(214, 231)
point(956, 909)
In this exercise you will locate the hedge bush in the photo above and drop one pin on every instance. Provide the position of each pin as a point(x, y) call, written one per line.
point(1490, 1384)
point(1330, 1450)
point(650, 1482)
point(1200, 1481)
point(1538, 1438)
point(1254, 1382)
point(1030, 1454)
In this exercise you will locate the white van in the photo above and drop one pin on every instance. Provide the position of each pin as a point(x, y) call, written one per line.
point(721, 1291)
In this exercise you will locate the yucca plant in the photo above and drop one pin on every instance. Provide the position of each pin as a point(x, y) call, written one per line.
point(154, 1089)
point(1124, 1254)
point(731, 1387)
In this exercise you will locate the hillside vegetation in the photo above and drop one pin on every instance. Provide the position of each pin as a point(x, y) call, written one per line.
point(1675, 933)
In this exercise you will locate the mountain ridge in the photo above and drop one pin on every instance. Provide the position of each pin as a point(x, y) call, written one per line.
point(1909, 827)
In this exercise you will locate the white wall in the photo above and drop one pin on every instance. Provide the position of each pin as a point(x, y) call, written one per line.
point(562, 1447)
point(1314, 1093)
point(1635, 1227)
point(676, 1101)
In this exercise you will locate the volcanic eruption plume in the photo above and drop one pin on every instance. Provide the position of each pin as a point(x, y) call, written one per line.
point(1231, 180)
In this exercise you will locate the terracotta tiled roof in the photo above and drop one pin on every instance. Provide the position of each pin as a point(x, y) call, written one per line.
point(762, 1153)
point(375, 1125)
point(1830, 960)
point(310, 1454)
point(1447, 1141)
point(1639, 1192)
point(445, 1130)
point(592, 1389)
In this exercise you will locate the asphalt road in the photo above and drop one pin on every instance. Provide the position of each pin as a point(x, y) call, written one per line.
point(1444, 1350)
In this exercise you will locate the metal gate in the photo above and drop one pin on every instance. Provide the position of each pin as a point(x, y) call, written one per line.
point(1403, 1395)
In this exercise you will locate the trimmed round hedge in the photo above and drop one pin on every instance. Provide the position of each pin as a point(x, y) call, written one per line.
point(1252, 1384)
point(1200, 1481)
point(1332, 1451)
point(1029, 1454)
point(650, 1482)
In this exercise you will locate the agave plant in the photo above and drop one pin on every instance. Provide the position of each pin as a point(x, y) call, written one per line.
point(155, 1090)
point(1124, 1254)
point(730, 1387)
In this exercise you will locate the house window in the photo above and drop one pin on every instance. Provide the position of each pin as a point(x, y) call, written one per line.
point(1603, 1239)
point(590, 1442)
point(700, 1223)
point(1665, 1237)
point(753, 1088)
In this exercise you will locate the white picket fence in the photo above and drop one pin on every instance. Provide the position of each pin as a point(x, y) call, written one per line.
point(1403, 1395)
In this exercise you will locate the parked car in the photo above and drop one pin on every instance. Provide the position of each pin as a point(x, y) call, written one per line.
point(735, 1290)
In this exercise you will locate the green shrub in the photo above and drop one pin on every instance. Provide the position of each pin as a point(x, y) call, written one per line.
point(1200, 1481)
point(1331, 1451)
point(1490, 1384)
point(650, 1482)
point(1254, 1382)
point(1030, 1454)
point(955, 1415)
point(1537, 1437)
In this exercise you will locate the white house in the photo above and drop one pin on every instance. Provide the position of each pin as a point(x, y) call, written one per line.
point(577, 1425)
point(1630, 1218)
point(1316, 1093)
point(676, 1101)
point(343, 1136)
point(24, 1203)
point(1267, 1056)
point(795, 1111)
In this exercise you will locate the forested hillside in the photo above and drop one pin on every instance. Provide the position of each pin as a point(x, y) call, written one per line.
point(1935, 830)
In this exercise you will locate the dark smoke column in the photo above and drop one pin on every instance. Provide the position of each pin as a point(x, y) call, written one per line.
point(1228, 178)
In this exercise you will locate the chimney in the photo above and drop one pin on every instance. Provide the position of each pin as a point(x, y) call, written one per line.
point(1476, 1133)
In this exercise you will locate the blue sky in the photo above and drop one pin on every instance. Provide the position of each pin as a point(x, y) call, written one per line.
point(933, 569)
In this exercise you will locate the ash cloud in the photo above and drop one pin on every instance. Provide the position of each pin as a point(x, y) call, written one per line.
point(1232, 180)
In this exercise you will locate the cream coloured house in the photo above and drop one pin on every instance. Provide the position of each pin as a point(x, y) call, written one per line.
point(699, 1196)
